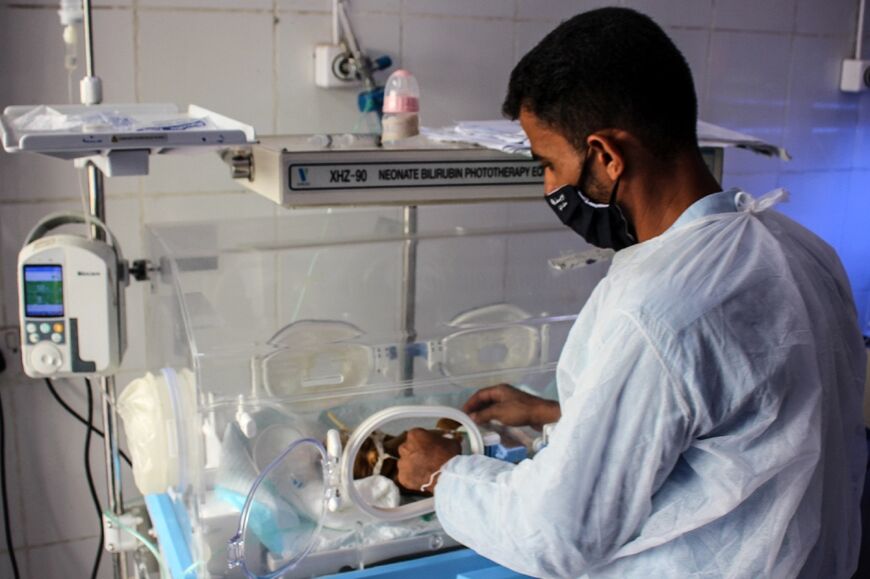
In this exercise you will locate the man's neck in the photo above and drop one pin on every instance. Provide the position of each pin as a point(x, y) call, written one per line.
point(654, 200)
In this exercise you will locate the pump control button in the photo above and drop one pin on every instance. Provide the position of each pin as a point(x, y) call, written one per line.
point(58, 327)
point(45, 328)
point(56, 338)
point(33, 338)
point(50, 360)
point(31, 328)
point(46, 359)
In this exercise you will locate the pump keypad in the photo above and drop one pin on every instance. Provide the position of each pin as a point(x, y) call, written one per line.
point(45, 331)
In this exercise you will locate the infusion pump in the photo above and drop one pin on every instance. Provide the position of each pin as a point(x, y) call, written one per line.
point(71, 302)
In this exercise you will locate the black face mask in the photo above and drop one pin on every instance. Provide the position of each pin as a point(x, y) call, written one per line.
point(599, 224)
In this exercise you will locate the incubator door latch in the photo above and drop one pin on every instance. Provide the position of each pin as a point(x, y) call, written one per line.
point(434, 354)
point(235, 551)
point(331, 471)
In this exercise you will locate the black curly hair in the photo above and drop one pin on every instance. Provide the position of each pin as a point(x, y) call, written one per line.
point(609, 68)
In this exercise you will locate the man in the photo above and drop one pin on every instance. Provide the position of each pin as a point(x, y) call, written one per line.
point(709, 414)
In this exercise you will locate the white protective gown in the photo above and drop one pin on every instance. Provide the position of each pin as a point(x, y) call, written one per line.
point(711, 424)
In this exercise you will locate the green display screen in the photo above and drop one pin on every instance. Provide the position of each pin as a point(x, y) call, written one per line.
point(43, 291)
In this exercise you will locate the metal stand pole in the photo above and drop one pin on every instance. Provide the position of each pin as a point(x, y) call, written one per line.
point(96, 198)
point(113, 465)
point(97, 206)
point(409, 296)
point(89, 37)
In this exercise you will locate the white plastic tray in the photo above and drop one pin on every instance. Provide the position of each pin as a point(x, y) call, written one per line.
point(88, 141)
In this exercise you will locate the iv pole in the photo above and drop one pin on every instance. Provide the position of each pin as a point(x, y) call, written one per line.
point(92, 95)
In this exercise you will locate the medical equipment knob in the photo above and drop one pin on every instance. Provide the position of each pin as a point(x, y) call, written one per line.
point(241, 166)
point(141, 269)
point(382, 63)
point(46, 358)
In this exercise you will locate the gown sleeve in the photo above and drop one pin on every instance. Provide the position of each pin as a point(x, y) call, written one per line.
point(573, 505)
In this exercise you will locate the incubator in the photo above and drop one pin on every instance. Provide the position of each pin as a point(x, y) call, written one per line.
point(289, 355)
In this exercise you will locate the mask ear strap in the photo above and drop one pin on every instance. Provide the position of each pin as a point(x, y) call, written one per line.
point(615, 189)
point(582, 175)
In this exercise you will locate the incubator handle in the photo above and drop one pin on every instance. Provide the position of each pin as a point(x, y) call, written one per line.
point(377, 420)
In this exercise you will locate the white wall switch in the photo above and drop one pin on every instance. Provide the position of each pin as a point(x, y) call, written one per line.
point(855, 75)
point(333, 67)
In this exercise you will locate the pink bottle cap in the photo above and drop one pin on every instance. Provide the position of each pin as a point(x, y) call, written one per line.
point(402, 93)
point(396, 103)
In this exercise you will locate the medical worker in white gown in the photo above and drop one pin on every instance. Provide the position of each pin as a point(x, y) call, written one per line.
point(709, 413)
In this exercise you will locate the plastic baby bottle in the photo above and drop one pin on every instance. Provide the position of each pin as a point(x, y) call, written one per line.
point(401, 107)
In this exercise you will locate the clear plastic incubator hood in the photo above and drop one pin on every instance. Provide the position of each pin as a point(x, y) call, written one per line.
point(289, 355)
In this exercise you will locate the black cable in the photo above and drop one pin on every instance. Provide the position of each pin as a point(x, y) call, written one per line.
point(90, 478)
point(6, 517)
point(81, 418)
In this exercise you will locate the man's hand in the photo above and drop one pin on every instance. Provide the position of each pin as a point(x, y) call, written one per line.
point(422, 454)
point(511, 407)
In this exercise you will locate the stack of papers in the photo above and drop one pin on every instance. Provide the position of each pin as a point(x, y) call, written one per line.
point(710, 135)
point(509, 137)
point(501, 135)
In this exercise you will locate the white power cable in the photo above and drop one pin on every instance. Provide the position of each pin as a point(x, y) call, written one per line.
point(859, 41)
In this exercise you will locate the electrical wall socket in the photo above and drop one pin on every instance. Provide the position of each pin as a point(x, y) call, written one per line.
point(855, 75)
point(333, 67)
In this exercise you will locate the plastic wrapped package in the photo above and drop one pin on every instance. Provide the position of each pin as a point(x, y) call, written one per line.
point(47, 118)
point(157, 409)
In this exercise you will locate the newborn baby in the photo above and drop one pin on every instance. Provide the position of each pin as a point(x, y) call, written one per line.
point(379, 454)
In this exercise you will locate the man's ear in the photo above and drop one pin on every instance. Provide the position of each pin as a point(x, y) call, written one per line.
point(608, 151)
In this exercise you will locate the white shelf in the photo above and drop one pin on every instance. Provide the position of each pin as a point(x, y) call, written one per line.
point(139, 130)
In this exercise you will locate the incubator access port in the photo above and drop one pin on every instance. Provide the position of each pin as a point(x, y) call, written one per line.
point(310, 495)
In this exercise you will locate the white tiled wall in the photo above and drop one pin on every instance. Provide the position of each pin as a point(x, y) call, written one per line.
point(767, 15)
point(457, 83)
point(769, 67)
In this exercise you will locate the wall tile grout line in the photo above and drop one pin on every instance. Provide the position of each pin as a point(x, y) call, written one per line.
point(516, 22)
point(788, 85)
point(276, 21)
point(402, 17)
